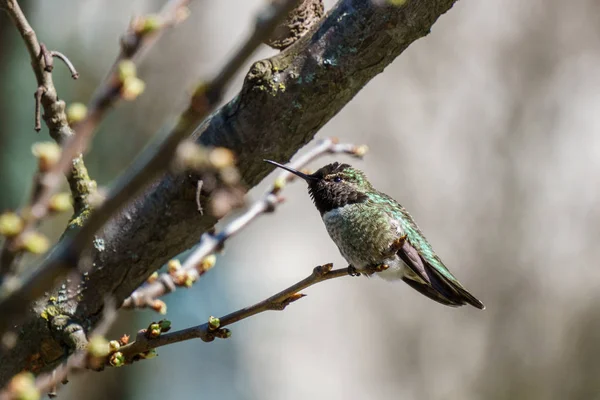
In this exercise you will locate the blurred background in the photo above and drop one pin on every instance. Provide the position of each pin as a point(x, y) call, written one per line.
point(486, 130)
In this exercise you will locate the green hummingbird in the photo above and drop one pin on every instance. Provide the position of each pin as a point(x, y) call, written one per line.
point(375, 234)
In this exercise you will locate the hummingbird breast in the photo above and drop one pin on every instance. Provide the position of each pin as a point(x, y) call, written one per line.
point(362, 233)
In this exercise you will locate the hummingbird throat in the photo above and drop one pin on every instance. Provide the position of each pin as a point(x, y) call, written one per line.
point(328, 196)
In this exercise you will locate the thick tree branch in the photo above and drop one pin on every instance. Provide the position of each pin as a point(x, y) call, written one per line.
point(285, 100)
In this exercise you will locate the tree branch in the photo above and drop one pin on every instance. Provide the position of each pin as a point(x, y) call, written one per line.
point(215, 327)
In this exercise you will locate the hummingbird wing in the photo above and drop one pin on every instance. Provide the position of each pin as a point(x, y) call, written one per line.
point(433, 271)
point(430, 276)
point(421, 281)
point(429, 281)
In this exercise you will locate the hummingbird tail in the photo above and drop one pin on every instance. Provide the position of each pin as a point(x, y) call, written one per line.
point(430, 292)
point(451, 289)
point(427, 280)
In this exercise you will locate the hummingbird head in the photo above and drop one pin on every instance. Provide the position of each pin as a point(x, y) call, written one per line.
point(334, 185)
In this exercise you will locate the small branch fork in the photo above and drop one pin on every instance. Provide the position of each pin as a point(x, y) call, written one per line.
point(215, 327)
point(120, 83)
point(48, 56)
point(55, 117)
point(197, 263)
point(152, 162)
point(68, 63)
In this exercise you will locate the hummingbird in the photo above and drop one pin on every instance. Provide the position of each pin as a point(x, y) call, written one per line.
point(376, 235)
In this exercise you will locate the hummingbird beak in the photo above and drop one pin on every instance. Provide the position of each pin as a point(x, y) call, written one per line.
point(302, 175)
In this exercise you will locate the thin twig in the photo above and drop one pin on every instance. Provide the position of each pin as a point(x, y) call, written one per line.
point(151, 163)
point(193, 267)
point(47, 57)
point(198, 192)
point(38, 105)
point(207, 332)
point(68, 63)
point(135, 43)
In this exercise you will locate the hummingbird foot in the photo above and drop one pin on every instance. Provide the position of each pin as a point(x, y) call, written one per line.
point(397, 245)
point(371, 269)
point(353, 271)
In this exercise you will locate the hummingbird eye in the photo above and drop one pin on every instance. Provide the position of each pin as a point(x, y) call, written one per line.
point(337, 179)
